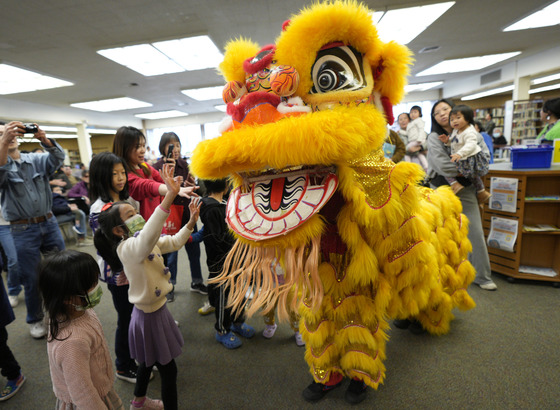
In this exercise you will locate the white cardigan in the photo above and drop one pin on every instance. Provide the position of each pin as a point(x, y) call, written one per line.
point(141, 256)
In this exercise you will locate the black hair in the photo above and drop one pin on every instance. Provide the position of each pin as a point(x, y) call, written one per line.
point(63, 275)
point(127, 139)
point(215, 186)
point(552, 107)
point(479, 125)
point(435, 126)
point(490, 114)
point(101, 177)
point(166, 138)
point(105, 240)
point(466, 111)
point(417, 108)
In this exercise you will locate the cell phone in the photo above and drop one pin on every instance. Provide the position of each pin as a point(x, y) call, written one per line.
point(170, 151)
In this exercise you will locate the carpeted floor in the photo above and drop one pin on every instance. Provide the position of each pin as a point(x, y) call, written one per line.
point(504, 354)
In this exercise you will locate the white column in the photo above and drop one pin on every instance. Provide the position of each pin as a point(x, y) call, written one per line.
point(84, 144)
point(521, 86)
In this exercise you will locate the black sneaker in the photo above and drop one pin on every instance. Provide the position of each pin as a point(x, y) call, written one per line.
point(416, 328)
point(170, 296)
point(200, 288)
point(401, 323)
point(127, 376)
point(316, 391)
point(356, 392)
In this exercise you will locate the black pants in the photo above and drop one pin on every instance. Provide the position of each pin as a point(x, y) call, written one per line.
point(8, 363)
point(168, 374)
point(218, 297)
point(124, 308)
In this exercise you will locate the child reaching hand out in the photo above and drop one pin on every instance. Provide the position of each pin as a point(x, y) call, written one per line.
point(79, 359)
point(471, 161)
point(154, 338)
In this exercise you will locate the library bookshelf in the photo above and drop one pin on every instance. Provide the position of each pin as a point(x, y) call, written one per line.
point(538, 202)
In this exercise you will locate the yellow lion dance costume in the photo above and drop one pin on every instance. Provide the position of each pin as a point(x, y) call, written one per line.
point(359, 240)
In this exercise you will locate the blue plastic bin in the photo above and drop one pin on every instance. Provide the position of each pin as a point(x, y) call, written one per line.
point(531, 156)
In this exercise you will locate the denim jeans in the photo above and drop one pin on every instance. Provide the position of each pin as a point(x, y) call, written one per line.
point(193, 252)
point(31, 240)
point(124, 308)
point(71, 217)
point(14, 287)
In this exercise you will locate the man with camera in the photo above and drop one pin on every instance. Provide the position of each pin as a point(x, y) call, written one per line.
point(26, 204)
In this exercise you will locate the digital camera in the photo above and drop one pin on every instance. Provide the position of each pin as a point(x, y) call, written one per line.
point(30, 129)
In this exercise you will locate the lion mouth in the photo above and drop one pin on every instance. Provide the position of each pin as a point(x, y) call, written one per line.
point(275, 202)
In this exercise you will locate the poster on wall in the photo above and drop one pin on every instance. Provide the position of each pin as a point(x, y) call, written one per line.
point(504, 194)
point(503, 233)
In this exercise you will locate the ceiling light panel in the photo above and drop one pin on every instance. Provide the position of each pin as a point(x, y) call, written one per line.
point(167, 57)
point(113, 104)
point(546, 88)
point(161, 114)
point(142, 58)
point(467, 64)
point(205, 94)
point(548, 16)
point(547, 79)
point(221, 107)
point(15, 80)
point(422, 86)
point(192, 53)
point(486, 93)
point(404, 25)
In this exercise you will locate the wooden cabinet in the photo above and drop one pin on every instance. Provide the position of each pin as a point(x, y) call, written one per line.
point(537, 249)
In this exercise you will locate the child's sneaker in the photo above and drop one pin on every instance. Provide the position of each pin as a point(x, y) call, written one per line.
point(269, 330)
point(299, 339)
point(229, 340)
point(206, 309)
point(244, 330)
point(12, 387)
point(146, 404)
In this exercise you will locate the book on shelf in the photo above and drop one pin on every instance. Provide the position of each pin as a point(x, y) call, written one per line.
point(535, 270)
point(540, 228)
point(542, 198)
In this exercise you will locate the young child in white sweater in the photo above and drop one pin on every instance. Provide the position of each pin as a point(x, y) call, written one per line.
point(471, 161)
point(79, 359)
point(416, 136)
point(154, 338)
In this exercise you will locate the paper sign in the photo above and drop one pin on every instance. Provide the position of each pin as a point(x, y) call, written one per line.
point(504, 194)
point(556, 152)
point(503, 233)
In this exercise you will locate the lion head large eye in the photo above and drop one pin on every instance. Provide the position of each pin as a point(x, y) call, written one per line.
point(337, 68)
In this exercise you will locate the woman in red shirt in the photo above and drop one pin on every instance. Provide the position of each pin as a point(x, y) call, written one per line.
point(144, 182)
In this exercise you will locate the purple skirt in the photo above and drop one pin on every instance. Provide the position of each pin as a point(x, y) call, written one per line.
point(154, 337)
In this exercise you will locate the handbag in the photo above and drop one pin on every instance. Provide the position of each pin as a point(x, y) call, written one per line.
point(173, 222)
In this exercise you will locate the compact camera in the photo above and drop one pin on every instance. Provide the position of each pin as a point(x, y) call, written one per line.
point(30, 129)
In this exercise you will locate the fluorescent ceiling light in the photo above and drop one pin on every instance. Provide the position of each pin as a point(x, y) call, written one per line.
point(166, 57)
point(161, 114)
point(546, 79)
point(142, 58)
point(548, 16)
point(221, 108)
point(404, 25)
point(488, 92)
point(546, 88)
point(421, 87)
point(15, 80)
point(205, 94)
point(56, 128)
point(467, 64)
point(376, 16)
point(113, 104)
point(192, 53)
point(101, 131)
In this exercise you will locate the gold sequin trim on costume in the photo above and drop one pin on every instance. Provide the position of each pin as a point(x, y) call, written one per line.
point(373, 172)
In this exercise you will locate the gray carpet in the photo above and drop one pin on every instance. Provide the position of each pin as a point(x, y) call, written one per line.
point(504, 354)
